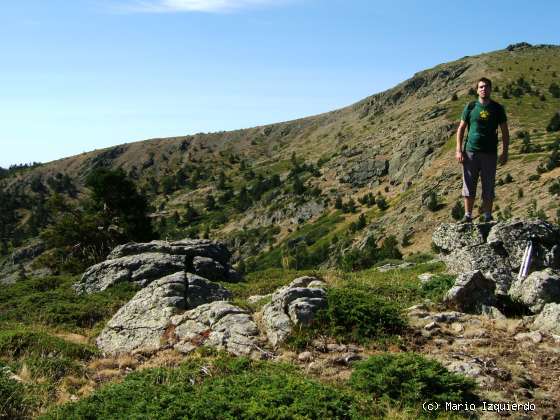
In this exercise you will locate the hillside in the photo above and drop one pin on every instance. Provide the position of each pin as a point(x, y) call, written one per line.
point(340, 286)
point(398, 143)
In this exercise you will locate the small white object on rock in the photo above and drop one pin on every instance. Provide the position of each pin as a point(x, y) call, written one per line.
point(535, 337)
point(426, 277)
point(333, 347)
point(432, 325)
point(306, 356)
point(256, 298)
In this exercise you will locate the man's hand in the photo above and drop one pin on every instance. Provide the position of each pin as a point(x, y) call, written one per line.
point(459, 156)
point(503, 158)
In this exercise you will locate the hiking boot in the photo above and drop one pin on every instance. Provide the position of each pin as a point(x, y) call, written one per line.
point(487, 219)
point(466, 219)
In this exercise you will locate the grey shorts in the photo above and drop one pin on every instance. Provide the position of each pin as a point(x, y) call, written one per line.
point(481, 164)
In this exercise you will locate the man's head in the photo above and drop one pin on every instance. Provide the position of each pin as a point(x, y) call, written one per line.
point(484, 88)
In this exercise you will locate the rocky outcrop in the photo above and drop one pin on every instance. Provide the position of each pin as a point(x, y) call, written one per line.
point(490, 261)
point(548, 320)
point(496, 249)
point(189, 248)
point(141, 269)
point(295, 304)
point(471, 292)
point(201, 291)
point(209, 268)
point(141, 323)
point(217, 324)
point(144, 321)
point(142, 263)
point(449, 237)
point(512, 236)
point(537, 289)
point(365, 170)
point(28, 252)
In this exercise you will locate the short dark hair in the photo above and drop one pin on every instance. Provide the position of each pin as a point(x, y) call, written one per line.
point(485, 80)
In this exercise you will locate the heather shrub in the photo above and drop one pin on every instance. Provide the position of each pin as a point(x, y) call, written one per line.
point(409, 378)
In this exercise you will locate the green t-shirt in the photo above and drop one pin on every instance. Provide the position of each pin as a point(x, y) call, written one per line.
point(483, 121)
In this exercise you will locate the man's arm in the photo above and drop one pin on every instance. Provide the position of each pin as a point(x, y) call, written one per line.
point(505, 143)
point(460, 135)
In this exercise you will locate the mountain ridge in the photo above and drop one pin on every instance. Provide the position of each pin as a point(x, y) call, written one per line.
point(397, 143)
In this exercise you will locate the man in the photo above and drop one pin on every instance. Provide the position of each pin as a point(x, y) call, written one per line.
point(479, 157)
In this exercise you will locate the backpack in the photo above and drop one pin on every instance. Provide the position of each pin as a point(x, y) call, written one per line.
point(470, 107)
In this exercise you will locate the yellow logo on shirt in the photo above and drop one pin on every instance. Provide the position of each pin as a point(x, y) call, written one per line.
point(484, 115)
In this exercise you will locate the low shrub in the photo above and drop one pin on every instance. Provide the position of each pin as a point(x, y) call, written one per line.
point(554, 188)
point(436, 288)
point(458, 210)
point(227, 388)
point(358, 316)
point(410, 379)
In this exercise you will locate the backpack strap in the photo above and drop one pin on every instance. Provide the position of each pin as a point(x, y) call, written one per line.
point(470, 107)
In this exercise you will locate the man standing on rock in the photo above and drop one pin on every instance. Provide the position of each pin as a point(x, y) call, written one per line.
point(480, 154)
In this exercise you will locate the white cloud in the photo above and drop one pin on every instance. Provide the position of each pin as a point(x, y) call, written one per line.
point(209, 6)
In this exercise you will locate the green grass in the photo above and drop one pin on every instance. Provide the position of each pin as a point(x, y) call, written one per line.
point(20, 341)
point(45, 358)
point(52, 301)
point(399, 286)
point(14, 401)
point(225, 388)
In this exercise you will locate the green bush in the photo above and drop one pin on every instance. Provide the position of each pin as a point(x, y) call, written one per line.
point(358, 316)
point(389, 249)
point(431, 201)
point(554, 188)
point(436, 288)
point(228, 388)
point(554, 124)
point(458, 210)
point(381, 203)
point(410, 379)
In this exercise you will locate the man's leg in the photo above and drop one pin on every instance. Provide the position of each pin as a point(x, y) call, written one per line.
point(488, 180)
point(470, 179)
point(469, 205)
point(487, 205)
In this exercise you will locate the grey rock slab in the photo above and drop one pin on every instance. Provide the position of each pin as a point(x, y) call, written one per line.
point(188, 248)
point(201, 291)
point(209, 268)
point(513, 236)
point(28, 252)
point(142, 322)
point(389, 267)
point(492, 312)
point(217, 324)
point(292, 305)
point(449, 237)
point(140, 269)
point(537, 289)
point(490, 261)
point(548, 320)
point(470, 291)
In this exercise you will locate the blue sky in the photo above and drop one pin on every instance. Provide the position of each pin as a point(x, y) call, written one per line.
point(86, 74)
